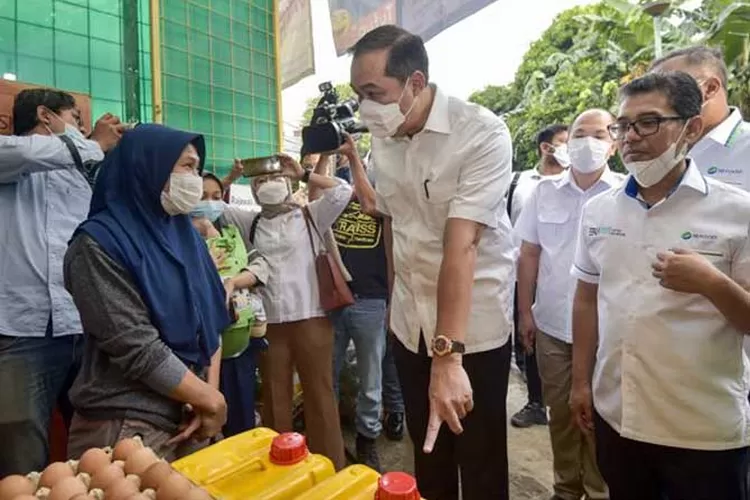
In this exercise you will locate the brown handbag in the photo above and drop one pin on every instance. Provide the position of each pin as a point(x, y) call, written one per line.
point(333, 289)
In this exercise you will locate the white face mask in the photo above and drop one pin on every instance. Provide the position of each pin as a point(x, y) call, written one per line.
point(588, 154)
point(383, 120)
point(183, 195)
point(649, 172)
point(273, 192)
point(561, 155)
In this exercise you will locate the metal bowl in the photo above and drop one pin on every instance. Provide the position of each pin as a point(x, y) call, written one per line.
point(252, 167)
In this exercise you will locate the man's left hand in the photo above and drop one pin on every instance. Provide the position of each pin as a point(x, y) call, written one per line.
point(451, 397)
point(684, 271)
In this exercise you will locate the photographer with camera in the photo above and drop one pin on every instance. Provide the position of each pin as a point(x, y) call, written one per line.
point(361, 243)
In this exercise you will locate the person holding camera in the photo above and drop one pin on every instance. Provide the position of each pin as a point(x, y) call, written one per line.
point(299, 333)
point(360, 240)
point(443, 166)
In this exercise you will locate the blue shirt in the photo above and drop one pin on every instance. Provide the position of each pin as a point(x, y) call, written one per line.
point(43, 198)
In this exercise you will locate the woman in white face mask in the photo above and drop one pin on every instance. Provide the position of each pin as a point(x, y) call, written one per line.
point(298, 331)
point(151, 302)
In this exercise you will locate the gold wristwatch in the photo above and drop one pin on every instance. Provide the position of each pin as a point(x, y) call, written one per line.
point(443, 346)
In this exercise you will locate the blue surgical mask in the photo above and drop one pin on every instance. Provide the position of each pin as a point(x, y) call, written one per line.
point(210, 209)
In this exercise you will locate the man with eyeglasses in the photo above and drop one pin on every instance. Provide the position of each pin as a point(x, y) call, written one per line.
point(659, 375)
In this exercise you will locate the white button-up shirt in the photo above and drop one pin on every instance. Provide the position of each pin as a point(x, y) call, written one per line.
point(550, 220)
point(724, 153)
point(670, 369)
point(291, 290)
point(458, 166)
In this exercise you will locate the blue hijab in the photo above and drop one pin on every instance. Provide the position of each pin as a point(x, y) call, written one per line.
point(165, 256)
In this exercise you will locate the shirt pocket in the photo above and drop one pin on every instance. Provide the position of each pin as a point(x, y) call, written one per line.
point(554, 224)
point(438, 195)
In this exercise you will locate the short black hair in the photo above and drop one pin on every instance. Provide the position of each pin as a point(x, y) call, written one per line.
point(682, 91)
point(406, 51)
point(699, 55)
point(27, 101)
point(548, 133)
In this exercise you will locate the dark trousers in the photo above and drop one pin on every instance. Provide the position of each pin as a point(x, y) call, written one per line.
point(524, 361)
point(641, 471)
point(35, 376)
point(481, 452)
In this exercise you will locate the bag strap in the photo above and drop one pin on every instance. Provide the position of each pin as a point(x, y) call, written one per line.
point(89, 171)
point(511, 190)
point(309, 222)
point(253, 227)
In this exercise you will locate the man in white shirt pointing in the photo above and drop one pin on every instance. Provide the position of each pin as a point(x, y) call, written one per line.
point(443, 166)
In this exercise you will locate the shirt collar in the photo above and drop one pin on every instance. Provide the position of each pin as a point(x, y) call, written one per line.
point(439, 119)
point(691, 179)
point(724, 131)
point(566, 178)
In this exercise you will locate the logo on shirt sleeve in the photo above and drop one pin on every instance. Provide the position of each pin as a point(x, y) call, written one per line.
point(689, 235)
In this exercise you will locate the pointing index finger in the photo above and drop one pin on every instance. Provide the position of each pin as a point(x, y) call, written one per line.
point(433, 428)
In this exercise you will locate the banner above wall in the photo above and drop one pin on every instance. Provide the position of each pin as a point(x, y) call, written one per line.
point(350, 19)
point(296, 41)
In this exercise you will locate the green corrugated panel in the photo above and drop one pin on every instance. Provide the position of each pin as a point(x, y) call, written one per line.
point(219, 75)
point(74, 45)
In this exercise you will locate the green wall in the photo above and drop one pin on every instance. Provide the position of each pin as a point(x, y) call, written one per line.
point(219, 75)
point(217, 61)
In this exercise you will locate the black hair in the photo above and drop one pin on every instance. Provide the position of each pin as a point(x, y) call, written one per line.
point(406, 51)
point(209, 175)
point(682, 91)
point(548, 133)
point(698, 55)
point(27, 101)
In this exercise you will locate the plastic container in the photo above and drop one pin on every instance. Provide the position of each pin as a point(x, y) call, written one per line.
point(257, 464)
point(358, 482)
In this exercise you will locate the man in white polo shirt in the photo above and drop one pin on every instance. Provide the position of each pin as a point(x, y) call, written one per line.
point(548, 228)
point(443, 166)
point(670, 381)
point(723, 151)
point(551, 144)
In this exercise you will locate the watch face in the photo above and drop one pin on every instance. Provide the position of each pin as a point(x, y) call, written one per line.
point(440, 345)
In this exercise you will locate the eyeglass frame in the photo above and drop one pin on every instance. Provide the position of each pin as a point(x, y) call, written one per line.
point(634, 125)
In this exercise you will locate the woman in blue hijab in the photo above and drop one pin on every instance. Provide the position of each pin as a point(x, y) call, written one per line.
point(150, 299)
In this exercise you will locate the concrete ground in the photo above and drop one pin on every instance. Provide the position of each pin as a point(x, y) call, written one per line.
point(529, 451)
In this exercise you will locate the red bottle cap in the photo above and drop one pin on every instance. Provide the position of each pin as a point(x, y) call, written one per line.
point(397, 486)
point(288, 448)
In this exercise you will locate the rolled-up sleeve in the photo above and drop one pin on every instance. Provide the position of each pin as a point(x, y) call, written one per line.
point(39, 153)
point(115, 317)
point(584, 267)
point(326, 209)
point(258, 265)
point(484, 174)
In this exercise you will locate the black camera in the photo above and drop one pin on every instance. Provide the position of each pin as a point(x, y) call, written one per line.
point(330, 120)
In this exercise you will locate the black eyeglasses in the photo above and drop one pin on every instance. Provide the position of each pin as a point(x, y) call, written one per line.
point(644, 127)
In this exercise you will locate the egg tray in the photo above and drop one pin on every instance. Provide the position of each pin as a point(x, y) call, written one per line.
point(129, 471)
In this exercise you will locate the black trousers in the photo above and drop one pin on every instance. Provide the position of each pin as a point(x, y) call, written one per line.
point(641, 471)
point(481, 452)
point(525, 362)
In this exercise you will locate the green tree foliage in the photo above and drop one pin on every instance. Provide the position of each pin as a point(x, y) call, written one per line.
point(345, 92)
point(588, 52)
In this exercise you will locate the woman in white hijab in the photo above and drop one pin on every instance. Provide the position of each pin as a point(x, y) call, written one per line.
point(299, 333)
